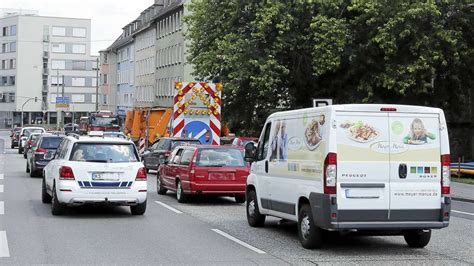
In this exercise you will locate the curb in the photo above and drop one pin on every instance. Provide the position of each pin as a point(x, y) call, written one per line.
point(462, 199)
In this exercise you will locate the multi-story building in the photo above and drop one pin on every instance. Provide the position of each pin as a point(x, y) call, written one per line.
point(150, 57)
point(41, 58)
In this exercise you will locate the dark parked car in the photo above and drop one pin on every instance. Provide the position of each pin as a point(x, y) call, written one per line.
point(35, 158)
point(15, 137)
point(71, 128)
point(161, 149)
point(29, 142)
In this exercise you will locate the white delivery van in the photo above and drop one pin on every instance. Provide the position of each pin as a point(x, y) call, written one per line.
point(382, 169)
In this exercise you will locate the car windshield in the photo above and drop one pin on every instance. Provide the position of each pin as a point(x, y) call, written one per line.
point(51, 142)
point(220, 157)
point(104, 121)
point(28, 132)
point(175, 143)
point(104, 153)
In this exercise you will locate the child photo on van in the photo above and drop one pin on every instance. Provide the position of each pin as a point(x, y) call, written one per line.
point(418, 133)
point(274, 142)
point(279, 142)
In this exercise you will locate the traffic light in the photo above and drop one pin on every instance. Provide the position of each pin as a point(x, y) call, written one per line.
point(36, 99)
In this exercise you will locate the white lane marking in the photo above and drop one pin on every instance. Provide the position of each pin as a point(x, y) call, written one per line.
point(2, 208)
point(1, 176)
point(169, 207)
point(1, 188)
point(467, 213)
point(238, 241)
point(4, 252)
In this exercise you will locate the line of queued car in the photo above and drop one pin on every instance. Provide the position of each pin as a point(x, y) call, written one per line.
point(106, 168)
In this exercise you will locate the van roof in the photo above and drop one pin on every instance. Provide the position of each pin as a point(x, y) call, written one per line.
point(363, 108)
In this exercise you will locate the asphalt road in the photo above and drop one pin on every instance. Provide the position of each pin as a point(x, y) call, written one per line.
point(174, 233)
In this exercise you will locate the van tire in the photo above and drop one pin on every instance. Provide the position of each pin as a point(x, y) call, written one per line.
point(45, 197)
point(159, 186)
point(138, 209)
point(180, 196)
point(310, 235)
point(254, 218)
point(417, 238)
point(57, 208)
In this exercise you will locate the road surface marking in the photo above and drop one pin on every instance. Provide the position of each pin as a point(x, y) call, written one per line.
point(1, 188)
point(467, 213)
point(4, 252)
point(169, 207)
point(240, 242)
point(2, 208)
point(1, 176)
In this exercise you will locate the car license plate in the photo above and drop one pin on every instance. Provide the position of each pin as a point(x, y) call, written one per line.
point(99, 176)
point(222, 176)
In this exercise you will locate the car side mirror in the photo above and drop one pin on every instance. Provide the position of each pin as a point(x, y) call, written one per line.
point(49, 155)
point(250, 151)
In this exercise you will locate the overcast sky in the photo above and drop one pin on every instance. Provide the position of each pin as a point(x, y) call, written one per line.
point(107, 16)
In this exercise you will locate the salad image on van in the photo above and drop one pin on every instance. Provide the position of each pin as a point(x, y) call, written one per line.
point(418, 133)
point(360, 131)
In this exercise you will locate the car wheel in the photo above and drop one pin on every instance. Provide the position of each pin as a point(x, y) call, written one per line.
point(27, 167)
point(310, 235)
point(180, 196)
point(33, 172)
point(57, 208)
point(240, 198)
point(138, 209)
point(45, 197)
point(12, 146)
point(254, 218)
point(159, 187)
point(417, 238)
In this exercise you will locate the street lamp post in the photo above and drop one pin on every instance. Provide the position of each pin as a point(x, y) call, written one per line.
point(29, 99)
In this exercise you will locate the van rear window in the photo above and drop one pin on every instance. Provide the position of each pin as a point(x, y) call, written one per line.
point(220, 157)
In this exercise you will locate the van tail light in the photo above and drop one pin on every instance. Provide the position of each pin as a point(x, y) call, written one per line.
point(66, 173)
point(330, 173)
point(141, 174)
point(388, 109)
point(41, 151)
point(445, 175)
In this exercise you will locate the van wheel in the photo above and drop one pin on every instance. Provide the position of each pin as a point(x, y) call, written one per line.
point(180, 196)
point(57, 208)
point(45, 197)
point(138, 209)
point(239, 198)
point(159, 187)
point(417, 238)
point(310, 235)
point(254, 218)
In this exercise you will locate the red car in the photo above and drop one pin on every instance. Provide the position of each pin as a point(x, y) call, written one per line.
point(194, 170)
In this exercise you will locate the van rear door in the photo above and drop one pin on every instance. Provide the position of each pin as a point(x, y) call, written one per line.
point(415, 167)
point(363, 161)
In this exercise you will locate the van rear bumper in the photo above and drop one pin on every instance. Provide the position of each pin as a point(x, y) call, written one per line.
point(327, 216)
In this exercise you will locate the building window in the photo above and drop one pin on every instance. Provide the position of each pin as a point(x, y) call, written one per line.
point(105, 79)
point(11, 95)
point(4, 64)
point(59, 31)
point(4, 81)
point(79, 32)
point(12, 63)
point(58, 64)
point(5, 31)
point(5, 47)
point(78, 65)
point(54, 81)
point(78, 98)
point(78, 82)
point(13, 47)
point(58, 48)
point(13, 30)
point(105, 59)
point(78, 48)
point(104, 99)
point(12, 80)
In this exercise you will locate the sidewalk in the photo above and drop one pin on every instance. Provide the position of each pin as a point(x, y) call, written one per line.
point(462, 192)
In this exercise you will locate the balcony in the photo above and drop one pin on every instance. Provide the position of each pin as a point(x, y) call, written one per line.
point(44, 106)
point(45, 88)
point(45, 71)
point(45, 38)
point(45, 54)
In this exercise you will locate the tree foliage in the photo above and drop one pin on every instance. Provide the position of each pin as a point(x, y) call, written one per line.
point(279, 54)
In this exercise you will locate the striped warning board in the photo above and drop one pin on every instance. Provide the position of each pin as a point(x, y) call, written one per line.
point(197, 111)
point(141, 145)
